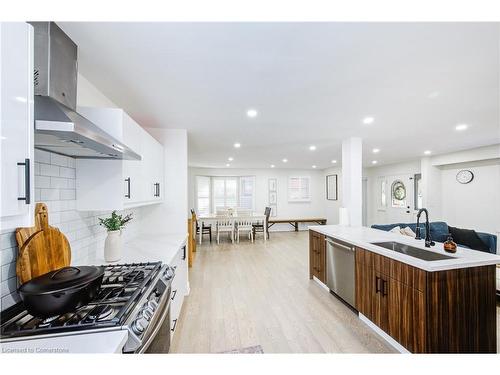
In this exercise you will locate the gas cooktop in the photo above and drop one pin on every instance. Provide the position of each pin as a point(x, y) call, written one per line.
point(124, 286)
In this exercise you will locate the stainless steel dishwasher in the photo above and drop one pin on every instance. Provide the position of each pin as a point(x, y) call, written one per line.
point(340, 269)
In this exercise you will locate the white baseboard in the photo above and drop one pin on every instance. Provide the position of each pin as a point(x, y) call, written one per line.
point(384, 335)
point(321, 284)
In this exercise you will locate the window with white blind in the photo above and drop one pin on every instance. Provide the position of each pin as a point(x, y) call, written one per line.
point(203, 195)
point(214, 192)
point(299, 189)
point(247, 189)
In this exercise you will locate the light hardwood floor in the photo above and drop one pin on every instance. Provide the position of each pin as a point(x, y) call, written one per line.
point(260, 294)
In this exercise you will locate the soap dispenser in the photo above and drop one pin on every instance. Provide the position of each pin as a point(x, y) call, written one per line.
point(449, 245)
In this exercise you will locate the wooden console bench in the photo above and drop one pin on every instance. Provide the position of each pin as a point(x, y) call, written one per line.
point(295, 222)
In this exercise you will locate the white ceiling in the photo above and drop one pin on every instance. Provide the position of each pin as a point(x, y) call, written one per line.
point(312, 83)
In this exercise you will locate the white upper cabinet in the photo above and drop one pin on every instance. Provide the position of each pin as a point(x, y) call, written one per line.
point(120, 184)
point(16, 126)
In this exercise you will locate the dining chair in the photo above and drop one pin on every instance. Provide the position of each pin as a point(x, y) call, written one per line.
point(224, 224)
point(244, 223)
point(205, 229)
point(240, 211)
point(259, 227)
point(221, 211)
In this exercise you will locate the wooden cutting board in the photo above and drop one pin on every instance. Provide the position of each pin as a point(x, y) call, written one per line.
point(42, 248)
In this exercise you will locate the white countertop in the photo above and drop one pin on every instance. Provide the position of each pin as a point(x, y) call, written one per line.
point(142, 248)
point(104, 342)
point(363, 237)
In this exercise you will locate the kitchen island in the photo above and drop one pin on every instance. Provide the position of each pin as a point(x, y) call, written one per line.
point(420, 306)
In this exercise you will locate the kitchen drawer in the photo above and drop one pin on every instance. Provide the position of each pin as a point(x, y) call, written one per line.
point(402, 272)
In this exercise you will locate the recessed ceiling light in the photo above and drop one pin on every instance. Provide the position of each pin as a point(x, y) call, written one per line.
point(376, 150)
point(427, 152)
point(252, 113)
point(285, 160)
point(334, 161)
point(228, 165)
point(237, 145)
point(374, 162)
point(314, 167)
point(312, 147)
point(461, 127)
point(272, 165)
point(368, 120)
point(230, 158)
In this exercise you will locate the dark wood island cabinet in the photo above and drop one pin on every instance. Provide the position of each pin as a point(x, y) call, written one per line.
point(450, 311)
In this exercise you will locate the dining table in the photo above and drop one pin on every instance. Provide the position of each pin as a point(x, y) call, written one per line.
point(211, 219)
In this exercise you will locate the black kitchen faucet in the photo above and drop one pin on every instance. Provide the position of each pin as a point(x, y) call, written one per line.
point(428, 240)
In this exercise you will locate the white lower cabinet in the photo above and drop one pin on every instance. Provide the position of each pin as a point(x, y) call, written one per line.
point(180, 287)
point(120, 184)
point(16, 124)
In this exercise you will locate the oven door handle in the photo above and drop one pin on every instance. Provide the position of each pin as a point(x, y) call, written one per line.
point(155, 330)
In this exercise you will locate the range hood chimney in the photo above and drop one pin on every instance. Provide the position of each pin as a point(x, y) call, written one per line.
point(58, 127)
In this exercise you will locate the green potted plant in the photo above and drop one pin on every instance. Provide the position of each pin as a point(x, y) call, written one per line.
point(113, 243)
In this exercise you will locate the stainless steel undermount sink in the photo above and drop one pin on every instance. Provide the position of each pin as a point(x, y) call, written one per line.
point(411, 251)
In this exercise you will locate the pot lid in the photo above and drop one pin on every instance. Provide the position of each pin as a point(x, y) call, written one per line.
point(62, 279)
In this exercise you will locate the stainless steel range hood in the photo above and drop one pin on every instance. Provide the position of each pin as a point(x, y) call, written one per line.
point(58, 127)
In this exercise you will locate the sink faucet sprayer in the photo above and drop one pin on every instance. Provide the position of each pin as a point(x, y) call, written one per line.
point(428, 240)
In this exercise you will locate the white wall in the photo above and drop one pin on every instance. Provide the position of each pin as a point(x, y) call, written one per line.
point(315, 208)
point(87, 95)
point(375, 216)
point(475, 205)
point(332, 207)
point(472, 206)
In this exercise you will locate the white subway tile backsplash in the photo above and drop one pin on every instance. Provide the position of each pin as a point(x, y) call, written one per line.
point(67, 194)
point(56, 159)
point(37, 168)
point(71, 163)
point(42, 181)
point(55, 186)
point(8, 271)
point(8, 255)
point(49, 194)
point(67, 172)
point(49, 170)
point(42, 156)
point(58, 182)
point(8, 240)
point(37, 195)
point(8, 286)
point(9, 300)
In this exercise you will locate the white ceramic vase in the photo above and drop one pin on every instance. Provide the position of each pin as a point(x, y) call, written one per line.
point(113, 246)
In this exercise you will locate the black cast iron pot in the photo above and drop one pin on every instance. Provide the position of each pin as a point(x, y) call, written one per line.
point(61, 291)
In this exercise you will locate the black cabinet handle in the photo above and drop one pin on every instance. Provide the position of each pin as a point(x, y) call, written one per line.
point(27, 186)
point(128, 188)
point(174, 293)
point(157, 189)
point(184, 253)
point(175, 323)
point(377, 284)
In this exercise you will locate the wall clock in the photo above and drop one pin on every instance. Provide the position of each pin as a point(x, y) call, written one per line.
point(465, 176)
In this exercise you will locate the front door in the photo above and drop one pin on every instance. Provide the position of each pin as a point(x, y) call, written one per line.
point(399, 205)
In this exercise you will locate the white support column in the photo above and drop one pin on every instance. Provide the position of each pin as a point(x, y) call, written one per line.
point(352, 169)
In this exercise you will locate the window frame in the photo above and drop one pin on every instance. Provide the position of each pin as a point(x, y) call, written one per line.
point(300, 199)
point(238, 179)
